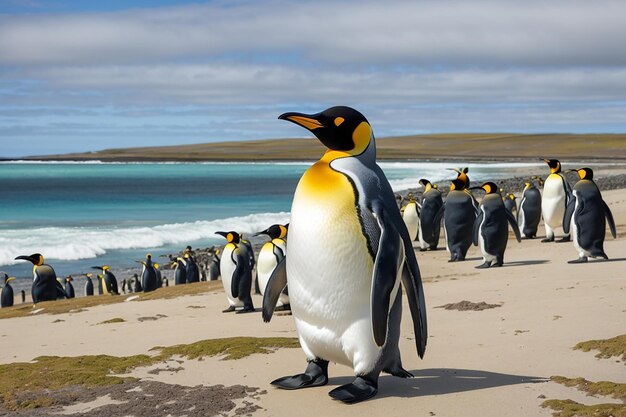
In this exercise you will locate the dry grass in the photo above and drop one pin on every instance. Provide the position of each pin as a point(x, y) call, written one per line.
point(607, 348)
point(449, 146)
point(569, 408)
point(81, 303)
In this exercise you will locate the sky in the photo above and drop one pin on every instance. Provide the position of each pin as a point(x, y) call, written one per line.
point(89, 75)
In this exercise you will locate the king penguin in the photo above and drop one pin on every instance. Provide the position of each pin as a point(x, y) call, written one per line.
point(69, 288)
point(271, 254)
point(180, 272)
point(348, 252)
point(585, 215)
point(459, 214)
point(491, 231)
point(214, 266)
point(45, 285)
point(236, 274)
point(411, 217)
point(510, 204)
point(6, 297)
point(88, 285)
point(159, 277)
point(429, 226)
point(556, 195)
point(529, 213)
point(108, 279)
point(193, 274)
point(148, 275)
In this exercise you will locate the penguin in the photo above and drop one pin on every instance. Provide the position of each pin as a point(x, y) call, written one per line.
point(45, 285)
point(165, 281)
point(429, 229)
point(109, 282)
point(529, 213)
point(123, 285)
point(88, 285)
point(459, 215)
point(180, 272)
point(69, 288)
point(148, 275)
point(556, 195)
point(23, 294)
point(159, 277)
point(193, 275)
point(271, 254)
point(252, 261)
point(490, 227)
point(214, 266)
point(348, 252)
point(586, 215)
point(236, 274)
point(462, 175)
point(137, 284)
point(6, 297)
point(510, 204)
point(410, 215)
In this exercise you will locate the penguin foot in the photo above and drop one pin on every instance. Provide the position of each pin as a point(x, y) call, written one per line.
point(564, 239)
point(548, 239)
point(359, 390)
point(284, 307)
point(580, 260)
point(315, 375)
point(230, 309)
point(497, 264)
point(399, 372)
point(246, 309)
point(487, 264)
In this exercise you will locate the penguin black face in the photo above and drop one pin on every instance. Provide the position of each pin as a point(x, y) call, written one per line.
point(36, 258)
point(7, 279)
point(457, 184)
point(585, 173)
point(462, 175)
point(489, 187)
point(339, 128)
point(275, 231)
point(554, 164)
point(231, 237)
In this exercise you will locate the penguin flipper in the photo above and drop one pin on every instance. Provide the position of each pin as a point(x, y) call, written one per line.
point(240, 260)
point(476, 229)
point(514, 225)
point(439, 215)
point(610, 220)
point(275, 285)
point(567, 216)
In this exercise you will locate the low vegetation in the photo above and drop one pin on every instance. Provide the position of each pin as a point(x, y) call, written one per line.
point(569, 408)
point(607, 348)
point(113, 320)
point(32, 384)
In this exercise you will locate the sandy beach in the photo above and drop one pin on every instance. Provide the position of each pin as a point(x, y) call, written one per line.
point(493, 362)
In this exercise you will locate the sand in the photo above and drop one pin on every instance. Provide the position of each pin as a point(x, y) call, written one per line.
point(489, 362)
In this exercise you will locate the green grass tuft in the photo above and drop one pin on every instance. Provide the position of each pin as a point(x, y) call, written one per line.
point(113, 320)
point(606, 388)
point(569, 408)
point(607, 348)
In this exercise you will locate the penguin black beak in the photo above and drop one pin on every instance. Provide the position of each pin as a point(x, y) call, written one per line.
point(264, 232)
point(26, 258)
point(307, 121)
point(97, 267)
point(223, 234)
point(476, 188)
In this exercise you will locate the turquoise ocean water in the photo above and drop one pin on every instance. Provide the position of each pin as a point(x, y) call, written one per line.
point(83, 214)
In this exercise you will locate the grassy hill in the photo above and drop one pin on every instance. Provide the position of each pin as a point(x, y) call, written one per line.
point(436, 146)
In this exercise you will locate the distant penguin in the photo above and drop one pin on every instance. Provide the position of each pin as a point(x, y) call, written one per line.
point(347, 251)
point(510, 204)
point(6, 297)
point(148, 275)
point(459, 214)
point(124, 286)
point(556, 195)
point(108, 280)
point(69, 288)
point(462, 176)
point(236, 274)
point(491, 232)
point(159, 277)
point(271, 254)
point(429, 225)
point(137, 287)
point(411, 217)
point(529, 213)
point(214, 267)
point(88, 285)
point(193, 274)
point(45, 285)
point(586, 215)
point(180, 272)
point(23, 294)
point(165, 281)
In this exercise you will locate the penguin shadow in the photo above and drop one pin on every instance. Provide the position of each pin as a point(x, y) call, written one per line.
point(600, 261)
point(526, 263)
point(441, 381)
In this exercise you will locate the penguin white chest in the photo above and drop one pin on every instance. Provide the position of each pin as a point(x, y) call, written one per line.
point(266, 263)
point(329, 272)
point(553, 201)
point(227, 268)
point(411, 219)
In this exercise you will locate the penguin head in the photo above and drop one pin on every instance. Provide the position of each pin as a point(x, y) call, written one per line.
point(510, 196)
point(526, 186)
point(585, 173)
point(148, 256)
point(554, 164)
point(489, 187)
point(427, 185)
point(276, 231)
point(155, 265)
point(69, 278)
point(536, 178)
point(457, 184)
point(36, 259)
point(7, 279)
point(231, 237)
point(462, 175)
point(100, 276)
point(339, 128)
point(88, 275)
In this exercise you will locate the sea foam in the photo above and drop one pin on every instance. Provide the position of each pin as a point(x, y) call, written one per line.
point(73, 243)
